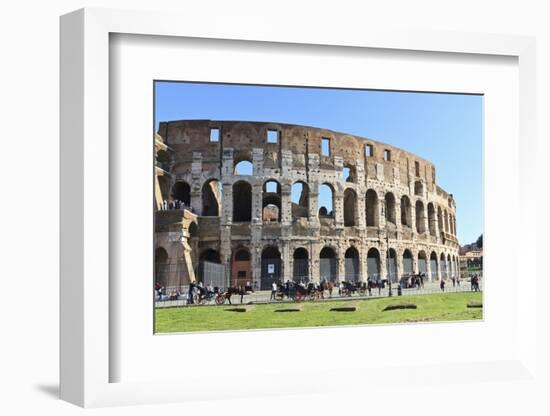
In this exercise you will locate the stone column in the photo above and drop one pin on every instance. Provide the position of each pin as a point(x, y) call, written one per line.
point(360, 213)
point(286, 262)
point(338, 206)
point(315, 249)
point(413, 220)
point(196, 191)
point(257, 202)
point(313, 202)
point(341, 261)
point(286, 204)
point(383, 261)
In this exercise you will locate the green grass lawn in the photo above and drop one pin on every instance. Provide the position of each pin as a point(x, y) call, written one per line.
point(430, 308)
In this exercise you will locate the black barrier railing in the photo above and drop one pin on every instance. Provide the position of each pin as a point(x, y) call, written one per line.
point(338, 293)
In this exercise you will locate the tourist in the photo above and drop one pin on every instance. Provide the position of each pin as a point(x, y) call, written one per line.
point(442, 285)
point(273, 291)
point(190, 293)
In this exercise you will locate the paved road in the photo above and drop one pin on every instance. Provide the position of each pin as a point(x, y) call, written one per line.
point(264, 295)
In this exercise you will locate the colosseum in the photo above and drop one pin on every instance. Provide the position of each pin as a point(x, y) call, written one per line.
point(239, 202)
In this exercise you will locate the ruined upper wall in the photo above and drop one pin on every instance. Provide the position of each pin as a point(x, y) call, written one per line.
point(188, 136)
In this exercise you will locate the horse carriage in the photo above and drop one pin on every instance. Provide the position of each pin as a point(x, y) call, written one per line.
point(241, 291)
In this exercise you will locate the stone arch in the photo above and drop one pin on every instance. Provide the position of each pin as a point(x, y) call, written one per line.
point(371, 208)
point(326, 200)
point(373, 264)
point(407, 262)
point(350, 207)
point(420, 217)
point(422, 262)
point(244, 168)
point(242, 201)
point(389, 198)
point(328, 264)
point(193, 230)
point(406, 217)
point(164, 160)
point(351, 263)
point(271, 200)
point(299, 196)
point(210, 266)
point(300, 265)
point(162, 266)
point(419, 188)
point(181, 191)
point(211, 196)
point(433, 265)
point(271, 267)
point(431, 219)
point(241, 270)
point(164, 185)
point(446, 220)
point(349, 173)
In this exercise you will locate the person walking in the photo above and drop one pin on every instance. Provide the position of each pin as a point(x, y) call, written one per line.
point(273, 291)
point(442, 285)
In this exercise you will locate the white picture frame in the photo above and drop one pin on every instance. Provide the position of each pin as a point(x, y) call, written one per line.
point(87, 306)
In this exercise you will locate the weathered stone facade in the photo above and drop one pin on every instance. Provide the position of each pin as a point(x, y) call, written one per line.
point(388, 216)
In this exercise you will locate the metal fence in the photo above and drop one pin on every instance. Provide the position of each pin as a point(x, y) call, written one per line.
point(265, 295)
point(213, 274)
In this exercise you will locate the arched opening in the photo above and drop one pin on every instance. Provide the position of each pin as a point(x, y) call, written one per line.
point(244, 168)
point(350, 204)
point(299, 196)
point(348, 174)
point(418, 188)
point(181, 191)
point(241, 274)
point(164, 185)
point(242, 202)
point(327, 265)
point(193, 230)
point(431, 219)
point(271, 201)
point(392, 265)
point(161, 267)
point(446, 219)
point(164, 160)
point(450, 266)
point(211, 198)
point(407, 262)
point(271, 267)
point(390, 208)
point(406, 218)
point(352, 265)
point(326, 201)
point(422, 262)
point(371, 202)
point(443, 266)
point(420, 218)
point(373, 264)
point(210, 270)
point(433, 266)
point(439, 219)
point(300, 265)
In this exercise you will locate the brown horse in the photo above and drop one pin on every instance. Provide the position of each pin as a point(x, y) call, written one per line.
point(238, 290)
point(327, 286)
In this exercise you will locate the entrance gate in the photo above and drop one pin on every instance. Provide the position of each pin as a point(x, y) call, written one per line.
point(271, 272)
point(327, 269)
point(212, 274)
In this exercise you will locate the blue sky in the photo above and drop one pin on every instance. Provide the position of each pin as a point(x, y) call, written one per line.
point(443, 128)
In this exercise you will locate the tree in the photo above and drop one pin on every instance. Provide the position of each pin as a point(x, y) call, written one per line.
point(479, 241)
